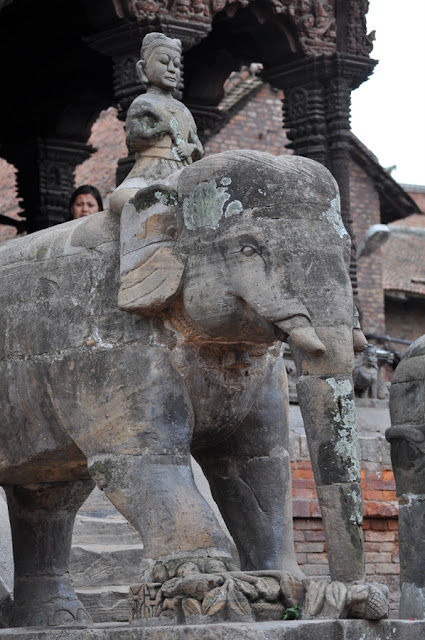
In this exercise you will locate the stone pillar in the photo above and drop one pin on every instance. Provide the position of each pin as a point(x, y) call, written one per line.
point(123, 44)
point(45, 177)
point(316, 110)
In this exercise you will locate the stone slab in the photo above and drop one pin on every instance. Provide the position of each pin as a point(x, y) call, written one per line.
point(106, 604)
point(112, 529)
point(96, 565)
point(6, 554)
point(285, 630)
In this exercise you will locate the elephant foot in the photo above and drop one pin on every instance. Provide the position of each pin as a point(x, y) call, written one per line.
point(205, 591)
point(47, 602)
point(325, 599)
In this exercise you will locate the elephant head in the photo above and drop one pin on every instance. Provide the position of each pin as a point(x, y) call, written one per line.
point(251, 248)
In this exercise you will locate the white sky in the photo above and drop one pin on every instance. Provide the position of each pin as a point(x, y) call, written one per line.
point(388, 110)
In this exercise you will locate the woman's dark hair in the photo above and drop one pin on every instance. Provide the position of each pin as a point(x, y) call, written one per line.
point(85, 188)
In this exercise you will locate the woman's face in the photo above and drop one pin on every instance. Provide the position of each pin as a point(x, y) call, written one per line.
point(84, 205)
point(162, 68)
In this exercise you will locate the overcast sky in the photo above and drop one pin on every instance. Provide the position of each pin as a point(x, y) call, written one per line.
point(388, 110)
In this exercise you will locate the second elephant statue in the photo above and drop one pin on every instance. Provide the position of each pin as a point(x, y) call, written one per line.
point(407, 438)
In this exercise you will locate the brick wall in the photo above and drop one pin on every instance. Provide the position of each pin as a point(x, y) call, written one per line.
point(380, 528)
point(405, 319)
point(257, 126)
point(8, 198)
point(108, 137)
point(418, 197)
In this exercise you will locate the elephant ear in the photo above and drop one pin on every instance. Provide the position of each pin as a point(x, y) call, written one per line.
point(151, 273)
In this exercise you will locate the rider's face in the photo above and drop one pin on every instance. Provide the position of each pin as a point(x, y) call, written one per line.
point(163, 68)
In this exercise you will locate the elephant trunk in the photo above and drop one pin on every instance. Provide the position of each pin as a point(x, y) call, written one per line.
point(325, 393)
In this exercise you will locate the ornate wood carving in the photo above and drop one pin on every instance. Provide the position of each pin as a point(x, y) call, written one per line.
point(45, 177)
point(314, 19)
point(357, 41)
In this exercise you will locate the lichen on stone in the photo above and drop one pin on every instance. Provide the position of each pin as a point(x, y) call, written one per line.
point(161, 197)
point(233, 208)
point(333, 216)
point(205, 206)
point(346, 445)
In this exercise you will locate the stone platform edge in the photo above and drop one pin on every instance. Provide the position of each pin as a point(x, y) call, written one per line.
point(282, 630)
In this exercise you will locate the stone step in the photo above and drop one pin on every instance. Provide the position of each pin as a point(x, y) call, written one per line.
point(98, 505)
point(276, 630)
point(106, 604)
point(94, 565)
point(110, 530)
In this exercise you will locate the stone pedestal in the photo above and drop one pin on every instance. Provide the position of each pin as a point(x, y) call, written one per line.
point(298, 630)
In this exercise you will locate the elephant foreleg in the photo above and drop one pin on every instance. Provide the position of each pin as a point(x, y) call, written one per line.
point(250, 478)
point(326, 397)
point(42, 518)
point(158, 495)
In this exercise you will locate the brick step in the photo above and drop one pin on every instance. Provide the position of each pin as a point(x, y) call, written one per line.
point(109, 530)
point(106, 604)
point(99, 565)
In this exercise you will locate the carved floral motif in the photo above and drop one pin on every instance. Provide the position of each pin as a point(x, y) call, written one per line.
point(188, 595)
point(203, 591)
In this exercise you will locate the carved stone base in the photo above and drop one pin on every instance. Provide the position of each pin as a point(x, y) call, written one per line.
point(325, 599)
point(202, 593)
point(206, 598)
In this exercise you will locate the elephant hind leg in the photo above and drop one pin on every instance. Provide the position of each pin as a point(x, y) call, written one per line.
point(42, 519)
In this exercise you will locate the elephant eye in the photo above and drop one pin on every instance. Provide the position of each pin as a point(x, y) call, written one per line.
point(248, 250)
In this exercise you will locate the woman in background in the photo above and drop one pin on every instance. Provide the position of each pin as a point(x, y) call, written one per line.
point(84, 201)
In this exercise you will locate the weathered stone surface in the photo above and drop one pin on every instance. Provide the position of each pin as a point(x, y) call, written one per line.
point(408, 399)
point(407, 438)
point(343, 503)
point(107, 603)
point(91, 566)
point(331, 431)
point(106, 531)
point(6, 561)
point(297, 630)
point(98, 522)
point(128, 398)
point(6, 553)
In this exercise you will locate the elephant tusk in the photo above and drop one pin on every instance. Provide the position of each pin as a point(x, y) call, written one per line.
point(306, 338)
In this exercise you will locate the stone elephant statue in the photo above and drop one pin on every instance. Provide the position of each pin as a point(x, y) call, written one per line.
point(407, 438)
point(236, 253)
